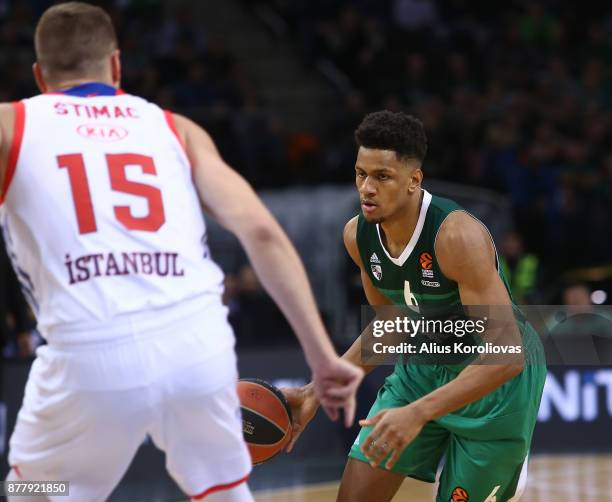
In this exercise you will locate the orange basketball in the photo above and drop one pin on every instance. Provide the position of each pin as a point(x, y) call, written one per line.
point(266, 418)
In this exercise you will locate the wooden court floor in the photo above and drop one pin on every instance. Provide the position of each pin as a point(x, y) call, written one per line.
point(584, 478)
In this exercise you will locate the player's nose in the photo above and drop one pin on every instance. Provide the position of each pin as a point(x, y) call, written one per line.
point(367, 188)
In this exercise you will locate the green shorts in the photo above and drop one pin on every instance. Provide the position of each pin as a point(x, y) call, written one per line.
point(484, 445)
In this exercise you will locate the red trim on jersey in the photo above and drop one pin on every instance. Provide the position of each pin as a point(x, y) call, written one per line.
point(11, 164)
point(218, 488)
point(172, 126)
point(17, 471)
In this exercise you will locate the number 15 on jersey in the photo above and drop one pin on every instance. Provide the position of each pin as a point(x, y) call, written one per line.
point(116, 164)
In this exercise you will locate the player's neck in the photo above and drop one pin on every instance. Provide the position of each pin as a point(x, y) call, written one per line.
point(68, 84)
point(398, 229)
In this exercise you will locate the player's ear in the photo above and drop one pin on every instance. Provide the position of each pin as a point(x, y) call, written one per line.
point(416, 177)
point(38, 76)
point(115, 61)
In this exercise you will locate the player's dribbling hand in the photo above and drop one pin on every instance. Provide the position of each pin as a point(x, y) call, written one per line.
point(304, 406)
point(335, 386)
point(394, 429)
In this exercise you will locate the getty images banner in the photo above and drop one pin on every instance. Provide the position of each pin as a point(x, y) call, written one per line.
point(458, 335)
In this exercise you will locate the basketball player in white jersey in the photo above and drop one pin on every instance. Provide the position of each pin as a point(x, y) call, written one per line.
point(100, 207)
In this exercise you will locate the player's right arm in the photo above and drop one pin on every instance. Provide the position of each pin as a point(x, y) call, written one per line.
point(303, 401)
point(7, 115)
point(234, 204)
point(374, 297)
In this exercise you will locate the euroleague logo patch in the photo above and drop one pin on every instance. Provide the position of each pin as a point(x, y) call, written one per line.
point(426, 261)
point(459, 495)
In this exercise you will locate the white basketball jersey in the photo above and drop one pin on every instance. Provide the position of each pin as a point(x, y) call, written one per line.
point(100, 214)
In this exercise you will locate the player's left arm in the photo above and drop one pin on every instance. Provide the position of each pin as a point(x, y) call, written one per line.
point(230, 199)
point(466, 255)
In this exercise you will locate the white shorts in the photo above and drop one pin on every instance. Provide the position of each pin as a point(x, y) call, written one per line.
point(87, 409)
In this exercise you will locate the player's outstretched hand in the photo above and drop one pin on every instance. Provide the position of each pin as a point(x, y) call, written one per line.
point(335, 386)
point(394, 429)
point(304, 406)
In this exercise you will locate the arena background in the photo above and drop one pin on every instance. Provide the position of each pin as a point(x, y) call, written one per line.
point(516, 100)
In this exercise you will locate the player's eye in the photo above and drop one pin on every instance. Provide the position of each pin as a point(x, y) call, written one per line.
point(383, 177)
point(361, 174)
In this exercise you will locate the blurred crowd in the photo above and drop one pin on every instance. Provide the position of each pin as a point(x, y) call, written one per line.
point(166, 55)
point(515, 97)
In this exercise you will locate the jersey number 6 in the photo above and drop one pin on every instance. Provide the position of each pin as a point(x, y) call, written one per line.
point(116, 162)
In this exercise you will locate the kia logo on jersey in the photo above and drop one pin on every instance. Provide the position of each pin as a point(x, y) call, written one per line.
point(102, 132)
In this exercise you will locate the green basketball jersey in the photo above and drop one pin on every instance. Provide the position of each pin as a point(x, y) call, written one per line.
point(414, 277)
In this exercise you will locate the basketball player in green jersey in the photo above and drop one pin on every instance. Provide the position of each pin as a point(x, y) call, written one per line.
point(414, 248)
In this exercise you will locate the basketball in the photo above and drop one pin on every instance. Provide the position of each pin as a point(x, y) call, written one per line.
point(266, 418)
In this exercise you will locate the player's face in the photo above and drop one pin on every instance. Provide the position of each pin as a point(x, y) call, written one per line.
point(383, 182)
